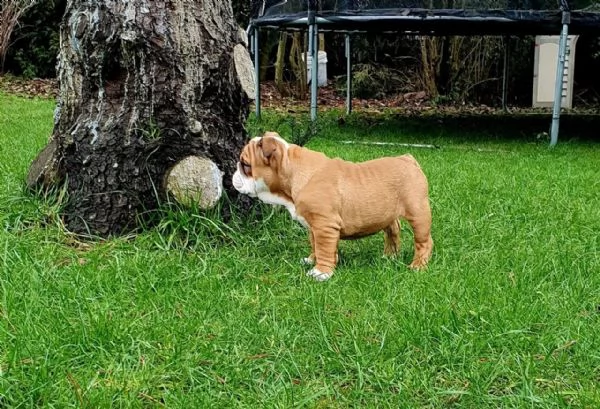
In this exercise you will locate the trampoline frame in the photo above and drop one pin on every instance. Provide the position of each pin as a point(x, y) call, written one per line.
point(312, 22)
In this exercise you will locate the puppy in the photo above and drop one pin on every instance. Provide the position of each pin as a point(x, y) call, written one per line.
point(336, 199)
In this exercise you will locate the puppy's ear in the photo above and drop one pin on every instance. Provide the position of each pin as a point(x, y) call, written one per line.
point(268, 147)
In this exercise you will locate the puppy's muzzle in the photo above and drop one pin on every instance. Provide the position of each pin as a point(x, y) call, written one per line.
point(242, 183)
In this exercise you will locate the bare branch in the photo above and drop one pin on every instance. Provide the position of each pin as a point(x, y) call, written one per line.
point(10, 13)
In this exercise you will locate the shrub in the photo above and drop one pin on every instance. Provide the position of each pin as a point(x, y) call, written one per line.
point(35, 41)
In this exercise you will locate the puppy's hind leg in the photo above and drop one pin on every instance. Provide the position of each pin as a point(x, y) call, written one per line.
point(391, 239)
point(421, 226)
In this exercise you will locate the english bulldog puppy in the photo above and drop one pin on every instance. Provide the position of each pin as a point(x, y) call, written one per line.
point(336, 199)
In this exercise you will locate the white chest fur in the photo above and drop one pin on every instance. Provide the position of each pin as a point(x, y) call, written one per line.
point(266, 196)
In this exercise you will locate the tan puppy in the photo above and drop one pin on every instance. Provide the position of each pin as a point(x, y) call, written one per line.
point(336, 199)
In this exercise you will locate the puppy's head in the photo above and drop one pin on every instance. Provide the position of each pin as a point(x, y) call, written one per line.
point(261, 163)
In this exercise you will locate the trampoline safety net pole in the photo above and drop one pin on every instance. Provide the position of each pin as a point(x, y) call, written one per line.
point(256, 72)
point(314, 73)
point(348, 76)
point(560, 70)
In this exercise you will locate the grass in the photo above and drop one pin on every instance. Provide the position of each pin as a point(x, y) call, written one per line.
point(195, 313)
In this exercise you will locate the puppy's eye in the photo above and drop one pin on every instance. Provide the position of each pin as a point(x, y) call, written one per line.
point(247, 169)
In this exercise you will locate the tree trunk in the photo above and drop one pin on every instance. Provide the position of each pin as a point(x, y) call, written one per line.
point(144, 84)
point(429, 61)
point(443, 80)
point(298, 64)
point(280, 63)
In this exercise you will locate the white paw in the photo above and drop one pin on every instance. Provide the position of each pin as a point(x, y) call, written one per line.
point(307, 261)
point(319, 275)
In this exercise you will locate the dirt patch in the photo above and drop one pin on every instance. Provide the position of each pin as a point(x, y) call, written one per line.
point(331, 97)
point(29, 88)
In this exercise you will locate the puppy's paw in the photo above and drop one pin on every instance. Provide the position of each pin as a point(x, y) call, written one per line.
point(319, 275)
point(418, 265)
point(308, 261)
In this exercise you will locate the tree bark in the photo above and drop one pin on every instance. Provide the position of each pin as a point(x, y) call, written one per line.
point(143, 85)
point(280, 63)
point(298, 63)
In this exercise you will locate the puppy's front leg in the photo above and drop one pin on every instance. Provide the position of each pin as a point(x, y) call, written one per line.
point(310, 260)
point(391, 239)
point(325, 241)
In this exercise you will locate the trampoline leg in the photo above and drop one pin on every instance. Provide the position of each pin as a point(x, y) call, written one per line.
point(256, 72)
point(310, 40)
point(562, 51)
point(314, 73)
point(505, 73)
point(348, 76)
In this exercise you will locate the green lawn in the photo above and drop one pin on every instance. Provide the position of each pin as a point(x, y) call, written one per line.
point(195, 313)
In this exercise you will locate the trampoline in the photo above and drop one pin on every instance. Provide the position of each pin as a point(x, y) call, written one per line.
point(422, 17)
